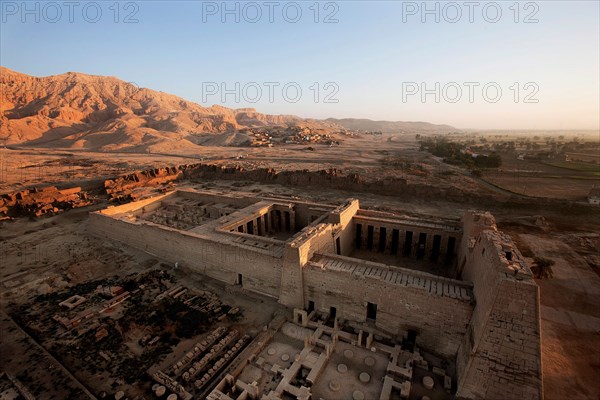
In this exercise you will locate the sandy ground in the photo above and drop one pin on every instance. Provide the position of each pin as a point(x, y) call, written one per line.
point(25, 168)
point(570, 321)
point(41, 255)
point(50, 253)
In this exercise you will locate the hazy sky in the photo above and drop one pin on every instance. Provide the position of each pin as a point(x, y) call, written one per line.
point(374, 58)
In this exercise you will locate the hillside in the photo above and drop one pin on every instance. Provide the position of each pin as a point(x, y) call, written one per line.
point(100, 113)
point(390, 126)
point(75, 110)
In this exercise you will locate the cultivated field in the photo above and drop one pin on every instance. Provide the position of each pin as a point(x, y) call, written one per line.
point(558, 179)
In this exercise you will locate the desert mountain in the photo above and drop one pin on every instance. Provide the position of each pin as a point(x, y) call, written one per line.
point(75, 110)
point(390, 126)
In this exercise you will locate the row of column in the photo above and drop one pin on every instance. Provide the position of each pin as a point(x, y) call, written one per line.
point(272, 221)
point(282, 221)
point(395, 241)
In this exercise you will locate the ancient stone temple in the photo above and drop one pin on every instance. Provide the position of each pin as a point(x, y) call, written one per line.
point(458, 289)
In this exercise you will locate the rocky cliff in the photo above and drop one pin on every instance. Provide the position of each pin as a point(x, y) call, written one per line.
point(74, 110)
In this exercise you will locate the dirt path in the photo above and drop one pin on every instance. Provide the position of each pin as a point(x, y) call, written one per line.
point(570, 321)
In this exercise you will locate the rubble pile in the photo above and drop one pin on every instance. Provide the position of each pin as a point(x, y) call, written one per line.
point(45, 201)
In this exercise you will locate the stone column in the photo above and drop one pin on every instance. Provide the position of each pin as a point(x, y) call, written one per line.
point(428, 245)
point(415, 244)
point(272, 220)
point(369, 340)
point(264, 226)
point(401, 239)
point(388, 240)
point(292, 220)
point(443, 245)
point(376, 233)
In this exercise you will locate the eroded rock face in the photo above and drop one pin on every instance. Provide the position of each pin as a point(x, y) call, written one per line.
point(121, 189)
point(38, 202)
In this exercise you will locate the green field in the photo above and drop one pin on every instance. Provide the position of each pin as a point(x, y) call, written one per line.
point(591, 169)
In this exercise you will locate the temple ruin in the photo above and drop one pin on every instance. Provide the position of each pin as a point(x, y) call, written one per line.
point(368, 291)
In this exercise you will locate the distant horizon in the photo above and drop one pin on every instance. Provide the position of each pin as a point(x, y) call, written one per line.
point(465, 130)
point(525, 65)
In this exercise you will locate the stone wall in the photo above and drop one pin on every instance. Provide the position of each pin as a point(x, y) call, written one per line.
point(439, 321)
point(138, 207)
point(343, 233)
point(296, 255)
point(122, 188)
point(500, 357)
point(238, 201)
point(307, 213)
point(219, 259)
point(334, 179)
